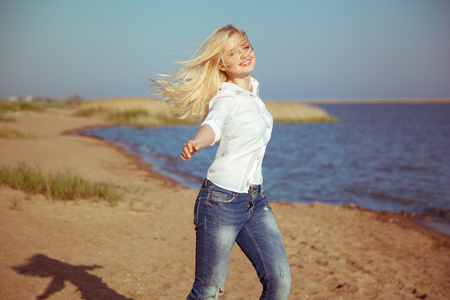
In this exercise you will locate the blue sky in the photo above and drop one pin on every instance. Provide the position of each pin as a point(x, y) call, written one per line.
point(305, 49)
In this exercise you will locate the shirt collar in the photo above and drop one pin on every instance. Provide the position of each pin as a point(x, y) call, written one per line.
point(232, 86)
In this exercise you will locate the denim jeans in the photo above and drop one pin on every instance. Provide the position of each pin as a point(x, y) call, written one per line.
point(222, 217)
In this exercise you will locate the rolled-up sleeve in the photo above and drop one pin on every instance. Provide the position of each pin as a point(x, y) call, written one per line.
point(220, 110)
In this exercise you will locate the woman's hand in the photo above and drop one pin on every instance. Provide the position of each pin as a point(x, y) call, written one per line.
point(190, 148)
point(204, 137)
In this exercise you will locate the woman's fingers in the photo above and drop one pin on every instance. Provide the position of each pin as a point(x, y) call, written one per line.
point(185, 153)
point(188, 150)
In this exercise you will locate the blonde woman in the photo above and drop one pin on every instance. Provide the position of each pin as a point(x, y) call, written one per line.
point(216, 85)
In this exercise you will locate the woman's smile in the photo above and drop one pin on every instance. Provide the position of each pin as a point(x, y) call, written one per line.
point(246, 63)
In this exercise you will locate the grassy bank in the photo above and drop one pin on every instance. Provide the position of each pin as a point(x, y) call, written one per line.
point(147, 112)
point(60, 186)
point(294, 112)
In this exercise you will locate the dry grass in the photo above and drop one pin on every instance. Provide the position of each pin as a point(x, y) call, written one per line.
point(13, 134)
point(294, 112)
point(147, 112)
point(61, 186)
point(138, 112)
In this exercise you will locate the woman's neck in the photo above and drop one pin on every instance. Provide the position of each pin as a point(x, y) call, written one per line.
point(243, 83)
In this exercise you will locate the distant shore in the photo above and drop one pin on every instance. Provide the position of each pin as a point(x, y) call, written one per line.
point(376, 101)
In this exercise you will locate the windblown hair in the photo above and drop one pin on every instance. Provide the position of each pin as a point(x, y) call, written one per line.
point(190, 89)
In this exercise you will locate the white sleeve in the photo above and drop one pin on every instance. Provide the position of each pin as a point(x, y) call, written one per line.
point(221, 110)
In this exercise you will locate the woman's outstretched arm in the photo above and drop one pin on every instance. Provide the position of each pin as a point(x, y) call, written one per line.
point(204, 137)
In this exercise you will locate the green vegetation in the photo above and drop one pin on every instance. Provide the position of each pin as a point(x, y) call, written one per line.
point(36, 105)
point(21, 106)
point(61, 186)
point(8, 108)
point(13, 134)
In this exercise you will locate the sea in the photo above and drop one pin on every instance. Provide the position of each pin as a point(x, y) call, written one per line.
point(383, 157)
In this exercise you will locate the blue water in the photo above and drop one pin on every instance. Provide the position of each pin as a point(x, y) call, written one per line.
point(384, 157)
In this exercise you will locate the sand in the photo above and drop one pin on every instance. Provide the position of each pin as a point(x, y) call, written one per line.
point(144, 247)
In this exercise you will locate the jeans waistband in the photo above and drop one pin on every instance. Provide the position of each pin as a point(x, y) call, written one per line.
point(251, 190)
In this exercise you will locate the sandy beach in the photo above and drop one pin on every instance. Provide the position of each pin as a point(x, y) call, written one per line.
point(144, 247)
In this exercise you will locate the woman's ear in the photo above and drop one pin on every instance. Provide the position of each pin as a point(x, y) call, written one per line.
point(222, 67)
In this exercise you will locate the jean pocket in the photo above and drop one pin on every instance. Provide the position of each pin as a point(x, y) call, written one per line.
point(220, 197)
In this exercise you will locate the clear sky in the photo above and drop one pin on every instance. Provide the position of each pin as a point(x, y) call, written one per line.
point(305, 49)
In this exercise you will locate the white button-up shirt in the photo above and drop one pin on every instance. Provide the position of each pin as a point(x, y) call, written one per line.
point(243, 126)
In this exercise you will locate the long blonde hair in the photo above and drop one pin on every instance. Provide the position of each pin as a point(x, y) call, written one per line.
point(198, 79)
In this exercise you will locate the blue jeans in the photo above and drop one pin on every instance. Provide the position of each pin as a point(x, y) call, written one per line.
point(222, 217)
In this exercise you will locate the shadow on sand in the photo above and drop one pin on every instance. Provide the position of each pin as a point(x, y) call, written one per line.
point(90, 286)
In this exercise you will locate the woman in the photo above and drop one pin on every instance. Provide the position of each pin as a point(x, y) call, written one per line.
point(216, 85)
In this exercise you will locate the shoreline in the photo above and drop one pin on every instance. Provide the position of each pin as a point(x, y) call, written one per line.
point(137, 159)
point(144, 247)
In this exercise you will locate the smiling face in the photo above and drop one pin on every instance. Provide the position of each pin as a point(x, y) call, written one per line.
point(238, 58)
